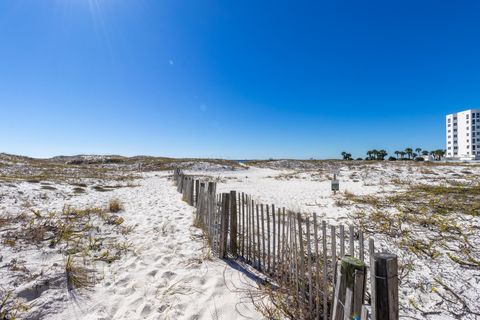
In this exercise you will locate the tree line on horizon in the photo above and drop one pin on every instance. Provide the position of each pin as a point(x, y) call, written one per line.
point(407, 154)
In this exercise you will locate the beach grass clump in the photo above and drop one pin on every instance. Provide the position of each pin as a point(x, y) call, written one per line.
point(108, 256)
point(78, 190)
point(101, 189)
point(115, 206)
point(46, 187)
point(77, 276)
point(126, 230)
point(10, 308)
point(114, 220)
point(10, 242)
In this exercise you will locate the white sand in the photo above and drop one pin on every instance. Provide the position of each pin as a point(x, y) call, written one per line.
point(166, 278)
point(308, 190)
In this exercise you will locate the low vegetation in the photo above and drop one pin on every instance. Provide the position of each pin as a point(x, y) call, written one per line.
point(115, 206)
point(432, 223)
point(78, 276)
point(10, 308)
point(83, 236)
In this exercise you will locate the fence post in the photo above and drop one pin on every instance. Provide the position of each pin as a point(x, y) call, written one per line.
point(386, 286)
point(349, 288)
point(190, 191)
point(224, 225)
point(184, 187)
point(210, 207)
point(302, 256)
point(325, 269)
point(342, 241)
point(371, 253)
point(242, 209)
point(351, 238)
point(233, 223)
point(197, 186)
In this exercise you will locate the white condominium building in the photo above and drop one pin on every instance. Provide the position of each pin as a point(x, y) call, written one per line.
point(463, 135)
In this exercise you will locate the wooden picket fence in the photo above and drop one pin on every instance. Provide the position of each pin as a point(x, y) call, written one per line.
point(322, 266)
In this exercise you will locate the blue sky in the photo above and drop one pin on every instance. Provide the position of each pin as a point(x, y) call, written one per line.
point(233, 79)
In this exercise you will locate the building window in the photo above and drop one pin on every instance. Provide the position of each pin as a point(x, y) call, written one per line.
point(449, 131)
point(449, 120)
point(449, 148)
point(468, 147)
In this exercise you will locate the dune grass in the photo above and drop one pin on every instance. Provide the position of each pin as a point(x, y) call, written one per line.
point(437, 224)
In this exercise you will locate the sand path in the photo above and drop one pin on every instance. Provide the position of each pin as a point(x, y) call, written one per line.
point(169, 276)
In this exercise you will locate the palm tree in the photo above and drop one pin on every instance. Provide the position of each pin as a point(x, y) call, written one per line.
point(375, 154)
point(382, 154)
point(344, 154)
point(409, 152)
point(438, 154)
point(424, 153)
point(397, 153)
point(418, 151)
point(369, 154)
point(402, 154)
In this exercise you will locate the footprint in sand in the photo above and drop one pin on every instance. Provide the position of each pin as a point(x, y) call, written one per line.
point(168, 275)
point(152, 273)
point(147, 309)
point(126, 291)
point(167, 259)
point(122, 281)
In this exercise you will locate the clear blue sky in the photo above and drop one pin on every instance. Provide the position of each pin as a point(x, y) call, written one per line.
point(233, 79)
